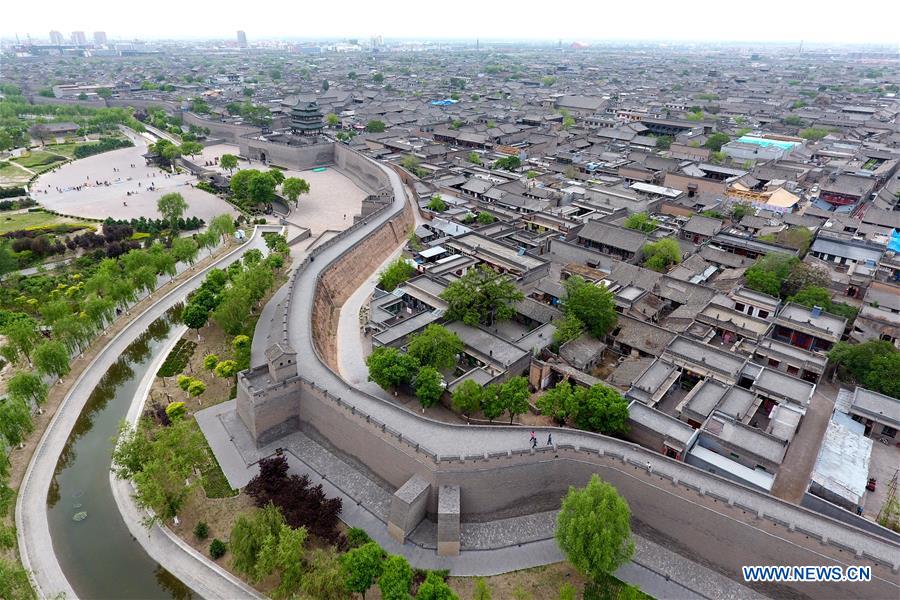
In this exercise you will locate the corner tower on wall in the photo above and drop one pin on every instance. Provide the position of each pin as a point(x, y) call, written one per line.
point(282, 361)
point(306, 118)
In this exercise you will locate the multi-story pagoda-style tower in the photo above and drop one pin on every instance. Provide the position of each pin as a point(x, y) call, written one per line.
point(306, 118)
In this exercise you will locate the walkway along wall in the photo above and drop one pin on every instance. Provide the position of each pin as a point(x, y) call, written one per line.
point(717, 521)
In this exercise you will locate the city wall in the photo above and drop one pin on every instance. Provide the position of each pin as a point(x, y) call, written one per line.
point(227, 131)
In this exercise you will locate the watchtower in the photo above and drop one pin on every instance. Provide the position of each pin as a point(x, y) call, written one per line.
point(282, 361)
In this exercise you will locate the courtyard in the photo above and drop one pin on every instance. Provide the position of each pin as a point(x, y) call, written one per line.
point(58, 190)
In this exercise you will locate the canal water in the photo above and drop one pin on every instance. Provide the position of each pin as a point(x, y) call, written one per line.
point(96, 551)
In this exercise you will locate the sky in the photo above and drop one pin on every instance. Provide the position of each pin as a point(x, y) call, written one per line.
point(821, 21)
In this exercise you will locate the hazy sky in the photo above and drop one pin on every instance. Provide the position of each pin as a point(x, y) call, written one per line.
point(826, 21)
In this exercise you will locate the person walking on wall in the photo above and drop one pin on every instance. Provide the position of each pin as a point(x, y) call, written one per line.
point(549, 439)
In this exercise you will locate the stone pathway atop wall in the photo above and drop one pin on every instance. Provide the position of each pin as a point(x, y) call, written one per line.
point(488, 548)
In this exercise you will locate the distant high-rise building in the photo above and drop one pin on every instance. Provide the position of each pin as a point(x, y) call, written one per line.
point(56, 38)
point(242, 39)
point(100, 38)
point(78, 38)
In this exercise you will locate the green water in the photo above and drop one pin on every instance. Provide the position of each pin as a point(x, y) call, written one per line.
point(98, 555)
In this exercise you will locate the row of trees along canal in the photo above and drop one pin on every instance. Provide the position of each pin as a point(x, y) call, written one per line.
point(47, 318)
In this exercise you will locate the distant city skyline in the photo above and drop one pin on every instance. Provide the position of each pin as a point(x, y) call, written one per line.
point(701, 21)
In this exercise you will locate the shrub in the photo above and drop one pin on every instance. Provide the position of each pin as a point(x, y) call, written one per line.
point(217, 549)
point(201, 530)
point(175, 410)
point(357, 537)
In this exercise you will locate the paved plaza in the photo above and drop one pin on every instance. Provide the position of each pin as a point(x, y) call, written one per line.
point(56, 190)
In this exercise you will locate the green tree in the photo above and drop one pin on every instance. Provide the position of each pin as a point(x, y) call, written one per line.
point(467, 397)
point(474, 158)
point(593, 529)
point(293, 187)
point(435, 588)
point(171, 207)
point(195, 317)
point(52, 358)
point(873, 364)
point(568, 328)
point(21, 338)
point(378, 78)
point(514, 395)
point(436, 346)
point(191, 148)
point(769, 272)
point(248, 538)
point(210, 361)
point(196, 388)
point(332, 120)
point(557, 402)
point(222, 226)
point(228, 161)
point(481, 591)
point(324, 578)
point(508, 163)
point(813, 133)
point(226, 369)
point(398, 271)
point(739, 210)
point(390, 368)
point(715, 141)
point(481, 296)
point(375, 126)
point(184, 250)
point(436, 204)
point(491, 404)
point(429, 386)
point(641, 222)
point(8, 262)
point(28, 387)
point(661, 254)
point(600, 408)
point(396, 577)
point(361, 567)
point(234, 309)
point(664, 142)
point(485, 218)
point(592, 305)
point(15, 421)
point(277, 175)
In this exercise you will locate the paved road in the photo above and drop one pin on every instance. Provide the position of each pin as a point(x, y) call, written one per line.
point(35, 543)
point(457, 440)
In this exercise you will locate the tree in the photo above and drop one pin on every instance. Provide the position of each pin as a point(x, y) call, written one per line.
point(514, 395)
point(28, 387)
point(802, 276)
point(15, 421)
point(228, 161)
point(52, 358)
point(8, 262)
point(641, 222)
point(481, 591)
point(184, 250)
point(251, 186)
point(226, 369)
point(222, 226)
point(396, 577)
point(557, 402)
point(171, 207)
point(332, 120)
point(485, 218)
point(191, 148)
point(491, 404)
point(248, 537)
point(474, 158)
point(391, 368)
point(436, 204)
point(287, 555)
point(293, 187)
point(739, 210)
point(593, 529)
point(467, 397)
point(567, 328)
point(664, 142)
point(233, 310)
point(601, 409)
point(481, 296)
point(873, 364)
point(716, 141)
point(592, 305)
point(196, 388)
point(509, 163)
point(435, 588)
point(661, 254)
point(375, 126)
point(195, 316)
point(21, 337)
point(813, 134)
point(768, 273)
point(378, 78)
point(324, 579)
point(429, 386)
point(436, 346)
point(361, 567)
point(398, 271)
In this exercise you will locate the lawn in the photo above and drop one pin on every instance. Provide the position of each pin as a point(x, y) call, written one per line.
point(13, 174)
point(26, 220)
point(67, 149)
point(39, 161)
